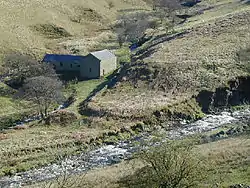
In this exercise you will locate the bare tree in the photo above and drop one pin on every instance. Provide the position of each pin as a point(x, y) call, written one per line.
point(18, 67)
point(44, 91)
point(165, 10)
point(132, 27)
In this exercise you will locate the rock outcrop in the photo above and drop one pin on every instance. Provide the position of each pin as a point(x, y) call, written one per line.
point(237, 93)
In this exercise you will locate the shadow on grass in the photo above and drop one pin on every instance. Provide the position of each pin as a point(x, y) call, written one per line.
point(145, 54)
point(109, 82)
point(147, 51)
point(246, 2)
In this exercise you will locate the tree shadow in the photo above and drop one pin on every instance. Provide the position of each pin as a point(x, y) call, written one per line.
point(109, 82)
point(145, 54)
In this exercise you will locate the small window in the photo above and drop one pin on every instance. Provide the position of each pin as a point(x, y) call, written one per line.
point(90, 70)
point(78, 65)
point(54, 66)
point(71, 65)
point(61, 64)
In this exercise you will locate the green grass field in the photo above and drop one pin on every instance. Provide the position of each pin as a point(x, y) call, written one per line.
point(83, 90)
point(231, 160)
point(9, 104)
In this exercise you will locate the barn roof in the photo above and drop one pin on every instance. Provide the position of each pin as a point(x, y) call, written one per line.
point(103, 54)
point(51, 58)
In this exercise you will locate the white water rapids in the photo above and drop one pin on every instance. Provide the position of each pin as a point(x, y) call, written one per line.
point(111, 154)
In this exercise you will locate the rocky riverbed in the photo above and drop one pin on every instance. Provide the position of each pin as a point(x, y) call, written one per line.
point(111, 154)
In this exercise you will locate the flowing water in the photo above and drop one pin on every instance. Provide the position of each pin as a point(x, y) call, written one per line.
point(111, 154)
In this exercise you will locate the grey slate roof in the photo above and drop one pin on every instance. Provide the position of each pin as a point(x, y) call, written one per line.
point(52, 58)
point(103, 54)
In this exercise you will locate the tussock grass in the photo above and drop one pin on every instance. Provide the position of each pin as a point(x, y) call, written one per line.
point(17, 18)
point(205, 57)
point(123, 55)
point(36, 146)
point(128, 101)
point(10, 106)
point(215, 62)
point(228, 159)
point(50, 31)
point(106, 177)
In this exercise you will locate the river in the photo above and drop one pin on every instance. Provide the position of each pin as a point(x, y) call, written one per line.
point(111, 154)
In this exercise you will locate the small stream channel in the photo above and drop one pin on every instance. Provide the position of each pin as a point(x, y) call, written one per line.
point(112, 154)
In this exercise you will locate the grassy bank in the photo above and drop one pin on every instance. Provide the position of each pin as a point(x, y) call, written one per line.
point(22, 150)
point(36, 144)
point(83, 90)
point(228, 160)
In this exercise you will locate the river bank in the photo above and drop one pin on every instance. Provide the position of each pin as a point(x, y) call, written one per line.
point(115, 153)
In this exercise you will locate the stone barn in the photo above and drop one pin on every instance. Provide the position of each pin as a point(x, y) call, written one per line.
point(94, 65)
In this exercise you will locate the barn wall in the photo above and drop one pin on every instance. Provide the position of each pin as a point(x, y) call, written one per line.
point(67, 66)
point(90, 68)
point(108, 66)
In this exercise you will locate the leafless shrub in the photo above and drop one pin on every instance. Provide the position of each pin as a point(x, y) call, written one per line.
point(132, 27)
point(165, 10)
point(62, 117)
point(67, 181)
point(172, 165)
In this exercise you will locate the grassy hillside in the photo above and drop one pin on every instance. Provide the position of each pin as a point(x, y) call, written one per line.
point(164, 70)
point(37, 27)
point(203, 55)
point(61, 26)
point(9, 105)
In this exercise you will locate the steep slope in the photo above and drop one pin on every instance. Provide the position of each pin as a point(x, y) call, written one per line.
point(203, 54)
point(37, 27)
